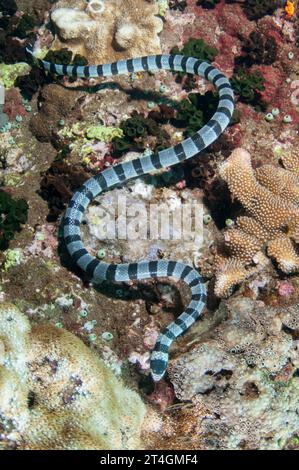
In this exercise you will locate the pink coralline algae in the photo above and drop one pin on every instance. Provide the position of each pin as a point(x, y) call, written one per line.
point(285, 288)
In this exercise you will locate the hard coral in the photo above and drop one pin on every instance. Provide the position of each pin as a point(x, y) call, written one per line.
point(135, 131)
point(197, 48)
point(103, 31)
point(65, 56)
point(58, 184)
point(195, 111)
point(243, 370)
point(270, 199)
point(209, 4)
point(51, 382)
point(13, 215)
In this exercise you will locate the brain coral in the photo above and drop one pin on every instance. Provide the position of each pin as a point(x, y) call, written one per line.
point(244, 372)
point(107, 30)
point(270, 198)
point(56, 394)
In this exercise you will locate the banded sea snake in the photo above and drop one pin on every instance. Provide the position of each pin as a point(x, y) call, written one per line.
point(122, 172)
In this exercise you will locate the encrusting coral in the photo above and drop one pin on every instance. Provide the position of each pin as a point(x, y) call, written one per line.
point(270, 197)
point(105, 31)
point(56, 394)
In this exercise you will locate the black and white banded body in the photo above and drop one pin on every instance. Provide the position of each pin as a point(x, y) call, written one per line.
point(123, 172)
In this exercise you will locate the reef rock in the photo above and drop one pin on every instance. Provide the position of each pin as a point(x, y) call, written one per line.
point(105, 31)
point(56, 394)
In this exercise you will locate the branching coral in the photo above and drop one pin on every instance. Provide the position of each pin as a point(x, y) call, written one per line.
point(243, 370)
point(248, 86)
point(56, 394)
point(290, 161)
point(270, 199)
point(105, 31)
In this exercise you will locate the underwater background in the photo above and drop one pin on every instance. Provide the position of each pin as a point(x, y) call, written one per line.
point(75, 357)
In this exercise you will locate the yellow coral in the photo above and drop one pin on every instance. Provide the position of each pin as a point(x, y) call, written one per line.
point(56, 394)
point(289, 8)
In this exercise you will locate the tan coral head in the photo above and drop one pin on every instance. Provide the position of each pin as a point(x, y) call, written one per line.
point(95, 7)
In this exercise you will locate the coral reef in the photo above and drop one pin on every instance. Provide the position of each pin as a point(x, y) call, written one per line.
point(256, 9)
point(50, 381)
point(104, 32)
point(234, 377)
point(270, 199)
point(242, 375)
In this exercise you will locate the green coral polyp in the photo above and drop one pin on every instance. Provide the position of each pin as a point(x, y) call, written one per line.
point(195, 111)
